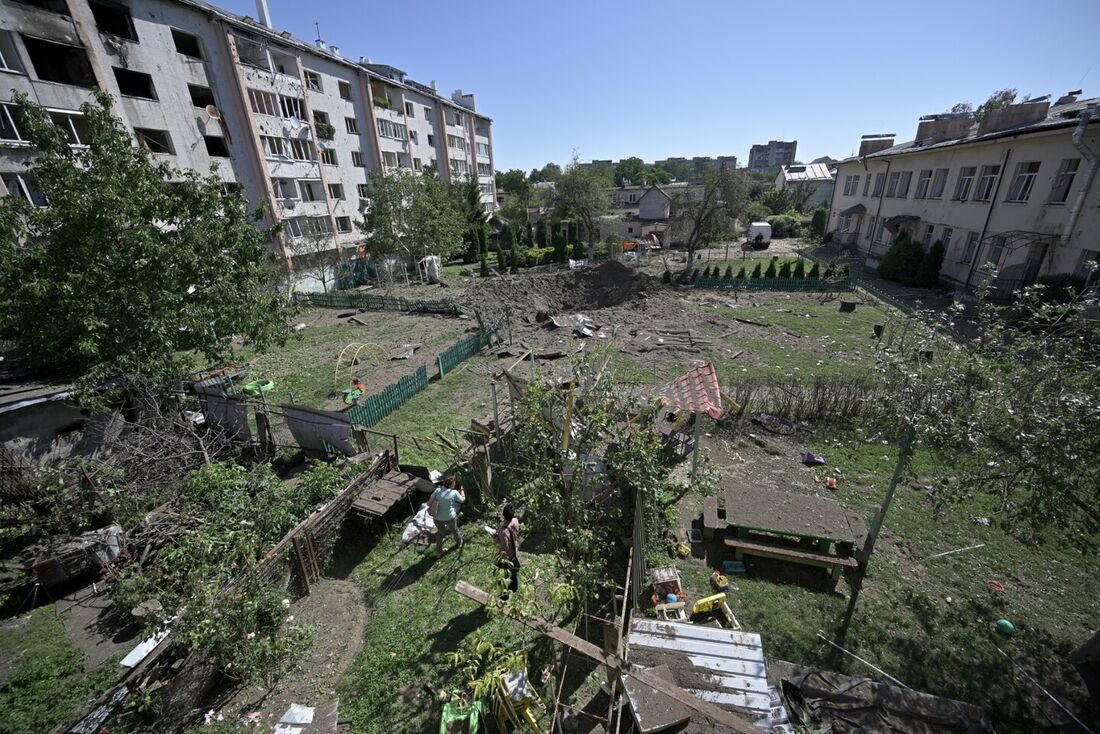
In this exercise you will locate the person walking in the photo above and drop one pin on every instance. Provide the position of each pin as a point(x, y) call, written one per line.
point(507, 538)
point(443, 506)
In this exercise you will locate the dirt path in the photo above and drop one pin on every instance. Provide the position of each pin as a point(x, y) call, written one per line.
point(338, 614)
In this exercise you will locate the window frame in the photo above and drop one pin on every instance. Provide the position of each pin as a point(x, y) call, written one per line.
point(992, 173)
point(312, 80)
point(904, 182)
point(1063, 175)
point(351, 124)
point(134, 76)
point(924, 183)
point(143, 140)
point(363, 190)
point(396, 160)
point(74, 133)
point(270, 102)
point(176, 32)
point(892, 184)
point(8, 48)
point(939, 183)
point(970, 248)
point(336, 192)
point(288, 106)
point(341, 87)
point(880, 184)
point(867, 184)
point(7, 111)
point(357, 159)
point(328, 157)
point(133, 37)
point(1023, 183)
point(225, 145)
point(339, 225)
point(26, 191)
point(966, 179)
point(306, 191)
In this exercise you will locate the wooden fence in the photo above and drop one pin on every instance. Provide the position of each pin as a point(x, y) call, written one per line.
point(373, 408)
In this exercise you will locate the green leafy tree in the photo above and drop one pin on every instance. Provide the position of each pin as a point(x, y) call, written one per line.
point(902, 261)
point(928, 274)
point(777, 200)
point(819, 220)
point(476, 235)
point(712, 214)
point(631, 169)
point(997, 100)
point(528, 240)
point(581, 195)
point(514, 182)
point(135, 267)
point(551, 172)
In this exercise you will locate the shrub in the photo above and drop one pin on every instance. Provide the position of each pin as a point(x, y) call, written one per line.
point(579, 251)
point(785, 225)
point(729, 272)
point(706, 272)
point(902, 261)
point(1060, 288)
point(741, 273)
point(770, 272)
point(694, 275)
point(785, 270)
point(799, 270)
point(815, 272)
point(846, 271)
point(928, 275)
point(828, 238)
point(818, 221)
point(666, 277)
point(756, 271)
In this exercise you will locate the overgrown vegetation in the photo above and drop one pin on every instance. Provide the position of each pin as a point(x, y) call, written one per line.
point(907, 262)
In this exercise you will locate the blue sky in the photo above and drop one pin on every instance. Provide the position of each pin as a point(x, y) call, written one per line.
point(694, 77)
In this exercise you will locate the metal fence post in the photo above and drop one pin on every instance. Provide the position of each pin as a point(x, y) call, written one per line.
point(439, 361)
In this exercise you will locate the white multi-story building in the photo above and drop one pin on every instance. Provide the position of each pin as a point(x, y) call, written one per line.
point(298, 125)
point(1015, 189)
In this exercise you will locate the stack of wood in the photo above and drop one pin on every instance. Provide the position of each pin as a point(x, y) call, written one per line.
point(678, 340)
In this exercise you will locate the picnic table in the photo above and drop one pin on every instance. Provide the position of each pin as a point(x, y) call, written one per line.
point(790, 526)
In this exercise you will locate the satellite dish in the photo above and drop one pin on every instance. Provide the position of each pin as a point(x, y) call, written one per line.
point(212, 112)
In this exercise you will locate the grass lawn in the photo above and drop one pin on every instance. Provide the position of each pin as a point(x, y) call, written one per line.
point(46, 683)
point(929, 621)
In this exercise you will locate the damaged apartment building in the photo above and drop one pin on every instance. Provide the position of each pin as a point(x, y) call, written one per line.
point(297, 125)
point(1015, 189)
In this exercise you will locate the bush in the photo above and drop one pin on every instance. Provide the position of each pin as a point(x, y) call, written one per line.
point(902, 261)
point(756, 212)
point(928, 275)
point(846, 271)
point(770, 272)
point(756, 271)
point(785, 225)
point(695, 275)
point(729, 272)
point(819, 221)
point(666, 277)
point(785, 270)
point(799, 270)
point(815, 272)
point(1061, 288)
point(706, 272)
point(537, 255)
point(741, 273)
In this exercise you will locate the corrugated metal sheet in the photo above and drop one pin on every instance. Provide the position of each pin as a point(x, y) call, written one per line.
point(809, 172)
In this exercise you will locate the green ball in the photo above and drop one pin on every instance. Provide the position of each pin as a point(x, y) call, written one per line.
point(1005, 627)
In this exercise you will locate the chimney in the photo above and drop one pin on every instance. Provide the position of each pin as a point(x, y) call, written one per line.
point(1068, 98)
point(364, 59)
point(322, 45)
point(335, 50)
point(874, 143)
point(433, 86)
point(264, 13)
point(1014, 115)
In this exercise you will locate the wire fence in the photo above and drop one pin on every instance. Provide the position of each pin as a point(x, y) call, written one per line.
point(777, 284)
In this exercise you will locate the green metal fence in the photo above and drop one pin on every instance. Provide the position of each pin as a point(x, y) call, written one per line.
point(371, 302)
point(777, 284)
point(459, 352)
point(374, 408)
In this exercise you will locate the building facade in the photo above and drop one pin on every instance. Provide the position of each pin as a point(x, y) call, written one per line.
point(297, 125)
point(772, 155)
point(1015, 190)
point(818, 177)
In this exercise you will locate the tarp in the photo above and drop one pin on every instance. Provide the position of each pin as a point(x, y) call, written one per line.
point(695, 391)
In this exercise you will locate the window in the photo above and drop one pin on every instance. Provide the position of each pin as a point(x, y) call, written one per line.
point(884, 236)
point(388, 129)
point(292, 107)
point(929, 232)
point(293, 227)
point(484, 169)
point(939, 183)
point(946, 239)
point(154, 141)
point(431, 140)
point(9, 56)
point(263, 103)
point(215, 146)
point(200, 96)
point(965, 183)
point(56, 62)
point(903, 184)
point(357, 158)
point(483, 149)
point(252, 53)
point(284, 188)
point(997, 251)
point(310, 189)
point(631, 198)
point(113, 19)
point(313, 81)
point(923, 182)
point(9, 127)
point(316, 225)
point(486, 189)
point(320, 118)
point(389, 160)
point(187, 44)
point(336, 191)
point(986, 183)
point(971, 247)
point(299, 150)
point(1026, 173)
point(892, 184)
point(284, 62)
point(867, 185)
point(352, 125)
point(345, 89)
point(1059, 190)
point(135, 84)
point(328, 157)
point(413, 136)
point(343, 224)
point(848, 185)
point(459, 167)
point(18, 185)
point(456, 142)
point(409, 112)
point(74, 126)
point(363, 190)
point(416, 164)
point(880, 183)
point(427, 113)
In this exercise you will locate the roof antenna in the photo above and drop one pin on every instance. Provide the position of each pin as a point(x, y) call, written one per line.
point(318, 27)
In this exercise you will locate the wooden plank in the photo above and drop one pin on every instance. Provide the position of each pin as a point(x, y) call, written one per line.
point(696, 632)
point(715, 713)
point(697, 647)
point(785, 554)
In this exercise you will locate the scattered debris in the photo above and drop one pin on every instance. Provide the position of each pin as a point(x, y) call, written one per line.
point(811, 459)
point(774, 424)
point(957, 550)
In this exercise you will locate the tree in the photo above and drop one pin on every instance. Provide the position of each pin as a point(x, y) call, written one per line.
point(902, 261)
point(997, 100)
point(514, 182)
point(540, 234)
point(712, 214)
point(476, 234)
point(631, 169)
point(506, 248)
point(318, 256)
point(135, 267)
point(550, 172)
point(961, 107)
point(779, 201)
point(657, 175)
point(581, 195)
point(410, 216)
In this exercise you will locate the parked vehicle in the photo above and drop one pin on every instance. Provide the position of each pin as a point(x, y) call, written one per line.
point(760, 235)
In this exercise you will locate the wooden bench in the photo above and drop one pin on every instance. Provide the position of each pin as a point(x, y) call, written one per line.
point(782, 553)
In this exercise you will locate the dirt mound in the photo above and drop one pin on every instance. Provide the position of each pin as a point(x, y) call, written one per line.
point(609, 284)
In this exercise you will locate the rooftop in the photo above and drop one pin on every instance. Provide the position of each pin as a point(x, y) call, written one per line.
point(811, 172)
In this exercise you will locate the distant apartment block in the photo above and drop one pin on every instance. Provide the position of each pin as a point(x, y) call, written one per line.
point(1016, 190)
point(297, 125)
point(772, 156)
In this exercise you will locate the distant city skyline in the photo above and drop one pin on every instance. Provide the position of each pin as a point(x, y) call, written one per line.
point(673, 86)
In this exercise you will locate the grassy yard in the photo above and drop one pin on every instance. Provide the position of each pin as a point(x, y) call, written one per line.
point(929, 621)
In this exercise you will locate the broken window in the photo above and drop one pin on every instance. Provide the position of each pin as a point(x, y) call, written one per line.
point(328, 157)
point(363, 190)
point(135, 84)
point(283, 62)
point(316, 225)
point(292, 107)
point(252, 53)
point(9, 56)
point(154, 141)
point(273, 147)
point(293, 227)
point(73, 124)
point(201, 96)
point(301, 150)
point(113, 19)
point(311, 189)
point(352, 125)
point(345, 90)
point(343, 224)
point(9, 124)
point(336, 191)
point(263, 103)
point(19, 186)
point(313, 81)
point(58, 62)
point(187, 44)
point(215, 146)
